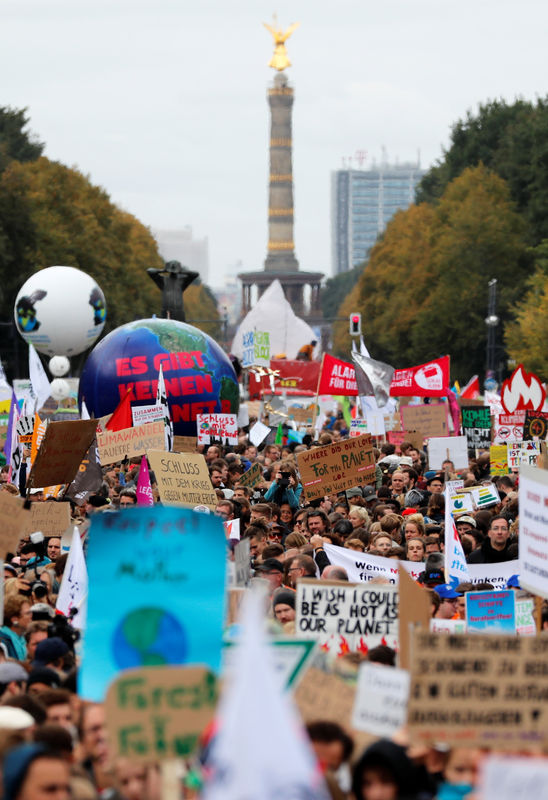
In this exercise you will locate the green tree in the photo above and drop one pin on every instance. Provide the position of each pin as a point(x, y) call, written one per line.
point(336, 290)
point(16, 143)
point(527, 334)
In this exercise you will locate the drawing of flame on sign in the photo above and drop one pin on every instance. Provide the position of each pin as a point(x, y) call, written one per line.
point(522, 390)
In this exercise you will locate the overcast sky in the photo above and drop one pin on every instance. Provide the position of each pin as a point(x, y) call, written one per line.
point(163, 102)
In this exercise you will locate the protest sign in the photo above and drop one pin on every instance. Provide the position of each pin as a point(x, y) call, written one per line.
point(115, 446)
point(479, 691)
point(476, 424)
point(491, 612)
point(416, 438)
point(375, 423)
point(51, 518)
point(430, 420)
point(143, 414)
point(302, 416)
point(183, 479)
point(357, 427)
point(232, 528)
point(290, 657)
point(62, 450)
point(336, 467)
point(24, 429)
point(522, 390)
point(337, 377)
point(525, 621)
point(448, 448)
point(223, 427)
point(258, 433)
point(508, 427)
point(251, 476)
point(523, 454)
point(499, 459)
point(159, 713)
point(533, 530)
point(507, 778)
point(166, 610)
point(13, 522)
point(88, 478)
point(426, 380)
point(535, 425)
point(184, 444)
point(461, 503)
point(380, 705)
point(256, 349)
point(363, 567)
point(451, 626)
point(414, 609)
point(347, 617)
point(485, 496)
point(242, 563)
point(454, 487)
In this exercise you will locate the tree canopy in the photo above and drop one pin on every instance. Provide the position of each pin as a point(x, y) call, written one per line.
point(527, 334)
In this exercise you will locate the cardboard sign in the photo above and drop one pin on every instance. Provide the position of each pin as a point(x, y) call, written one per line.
point(51, 518)
point(63, 448)
point(347, 617)
point(143, 414)
point(183, 479)
point(115, 446)
point(491, 612)
point(380, 706)
point(184, 444)
point(430, 420)
point(302, 416)
point(498, 459)
point(414, 610)
point(251, 476)
point(159, 713)
point(523, 454)
point(448, 448)
point(479, 691)
point(13, 522)
point(476, 424)
point(535, 425)
point(336, 467)
point(533, 530)
point(223, 427)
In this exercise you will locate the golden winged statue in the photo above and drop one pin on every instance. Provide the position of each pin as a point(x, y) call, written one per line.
point(280, 60)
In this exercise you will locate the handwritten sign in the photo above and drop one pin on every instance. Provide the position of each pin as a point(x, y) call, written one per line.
point(51, 518)
point(159, 713)
point(336, 467)
point(184, 444)
point(347, 617)
point(476, 424)
point(499, 459)
point(256, 349)
point(430, 420)
point(217, 426)
point(358, 427)
point(183, 479)
point(13, 522)
point(251, 476)
point(63, 448)
point(143, 414)
point(523, 453)
point(533, 530)
point(380, 706)
point(114, 446)
point(479, 691)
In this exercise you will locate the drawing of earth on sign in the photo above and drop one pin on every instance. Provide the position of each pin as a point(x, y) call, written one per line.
point(149, 637)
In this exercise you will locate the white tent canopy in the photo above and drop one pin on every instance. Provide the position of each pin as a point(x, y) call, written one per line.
point(273, 313)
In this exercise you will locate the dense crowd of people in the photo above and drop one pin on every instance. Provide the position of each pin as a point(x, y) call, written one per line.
point(54, 744)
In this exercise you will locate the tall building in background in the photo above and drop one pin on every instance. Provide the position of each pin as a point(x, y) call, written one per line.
point(362, 204)
point(180, 245)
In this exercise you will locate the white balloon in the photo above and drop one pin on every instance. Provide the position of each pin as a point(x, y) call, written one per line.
point(60, 310)
point(59, 366)
point(59, 389)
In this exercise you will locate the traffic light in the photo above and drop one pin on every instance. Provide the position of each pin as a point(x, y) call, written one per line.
point(355, 324)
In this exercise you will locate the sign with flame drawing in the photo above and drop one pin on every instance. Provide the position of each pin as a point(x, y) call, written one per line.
point(522, 391)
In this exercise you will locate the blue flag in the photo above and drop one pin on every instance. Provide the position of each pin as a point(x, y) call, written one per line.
point(156, 593)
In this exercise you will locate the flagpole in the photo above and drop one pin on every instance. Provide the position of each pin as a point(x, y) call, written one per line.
point(317, 394)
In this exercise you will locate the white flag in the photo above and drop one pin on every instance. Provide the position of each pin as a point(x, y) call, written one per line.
point(84, 413)
point(259, 755)
point(363, 349)
point(456, 568)
point(161, 400)
point(38, 378)
point(74, 586)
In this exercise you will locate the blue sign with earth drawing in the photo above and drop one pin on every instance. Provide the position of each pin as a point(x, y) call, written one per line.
point(156, 593)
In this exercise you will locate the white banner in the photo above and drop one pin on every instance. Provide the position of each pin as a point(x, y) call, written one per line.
point(533, 530)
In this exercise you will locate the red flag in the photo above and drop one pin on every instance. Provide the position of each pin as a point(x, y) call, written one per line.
point(472, 389)
point(337, 377)
point(121, 417)
point(426, 380)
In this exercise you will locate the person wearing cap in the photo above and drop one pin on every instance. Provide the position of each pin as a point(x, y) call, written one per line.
point(41, 679)
point(13, 679)
point(435, 484)
point(272, 570)
point(283, 605)
point(51, 653)
point(448, 605)
point(464, 524)
point(34, 772)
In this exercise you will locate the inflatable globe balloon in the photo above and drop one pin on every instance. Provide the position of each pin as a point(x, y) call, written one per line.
point(198, 375)
point(59, 366)
point(59, 389)
point(60, 310)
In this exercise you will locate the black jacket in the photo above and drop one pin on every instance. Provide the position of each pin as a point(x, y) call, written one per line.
point(486, 554)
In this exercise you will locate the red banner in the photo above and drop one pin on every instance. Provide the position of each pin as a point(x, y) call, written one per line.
point(426, 380)
point(337, 377)
point(295, 378)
